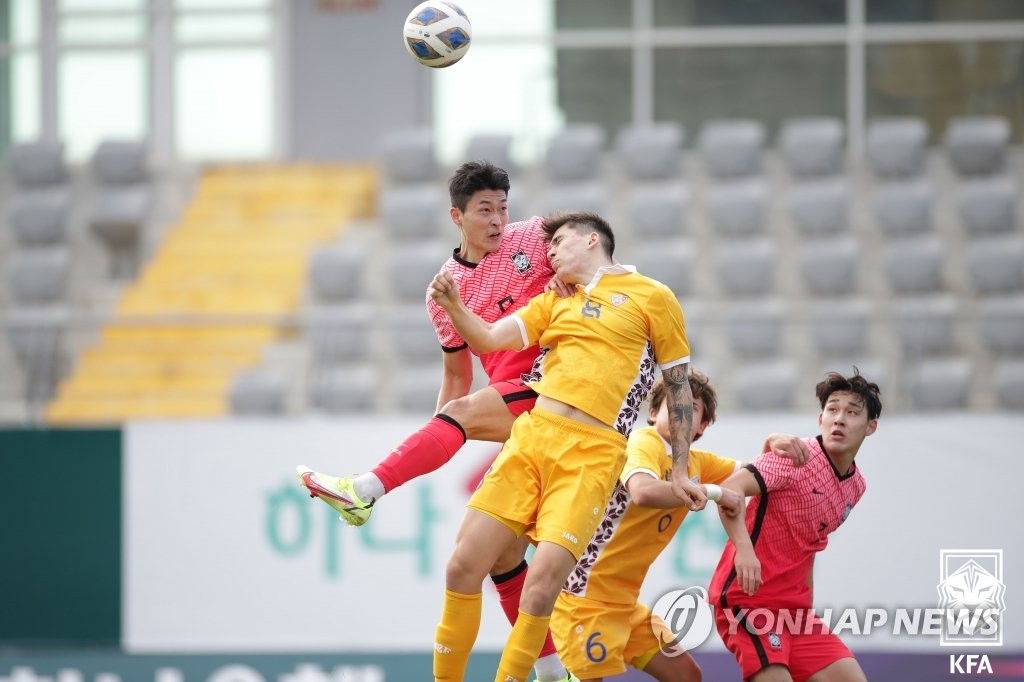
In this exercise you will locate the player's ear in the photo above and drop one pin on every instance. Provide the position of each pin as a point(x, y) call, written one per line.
point(456, 215)
point(872, 425)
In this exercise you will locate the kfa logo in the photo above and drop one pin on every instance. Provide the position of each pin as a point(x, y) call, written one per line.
point(521, 262)
point(591, 309)
point(971, 593)
point(968, 664)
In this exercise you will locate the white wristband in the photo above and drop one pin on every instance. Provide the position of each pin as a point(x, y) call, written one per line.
point(714, 492)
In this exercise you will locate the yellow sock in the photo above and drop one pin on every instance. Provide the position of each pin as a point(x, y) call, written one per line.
point(522, 648)
point(455, 635)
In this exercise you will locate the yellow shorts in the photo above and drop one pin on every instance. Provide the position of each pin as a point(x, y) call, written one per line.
point(554, 476)
point(597, 639)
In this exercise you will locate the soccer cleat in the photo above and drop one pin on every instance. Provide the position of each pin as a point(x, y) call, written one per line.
point(338, 493)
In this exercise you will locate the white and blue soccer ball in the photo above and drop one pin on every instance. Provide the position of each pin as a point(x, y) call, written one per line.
point(437, 33)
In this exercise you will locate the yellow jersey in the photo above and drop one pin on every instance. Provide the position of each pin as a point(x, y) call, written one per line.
point(600, 346)
point(630, 537)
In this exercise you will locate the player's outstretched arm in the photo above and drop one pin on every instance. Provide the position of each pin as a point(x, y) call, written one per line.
point(787, 446)
point(748, 567)
point(482, 336)
point(679, 398)
point(647, 491)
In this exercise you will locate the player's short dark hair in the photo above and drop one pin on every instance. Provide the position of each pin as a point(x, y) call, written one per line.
point(582, 221)
point(474, 176)
point(855, 383)
point(700, 386)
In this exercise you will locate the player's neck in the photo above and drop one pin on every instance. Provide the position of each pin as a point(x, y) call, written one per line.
point(842, 462)
point(469, 254)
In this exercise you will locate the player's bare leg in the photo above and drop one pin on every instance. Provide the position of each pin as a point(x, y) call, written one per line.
point(483, 415)
point(843, 670)
point(772, 673)
point(679, 668)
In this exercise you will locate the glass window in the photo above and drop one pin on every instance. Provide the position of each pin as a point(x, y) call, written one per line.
point(102, 95)
point(747, 12)
point(222, 4)
point(694, 85)
point(490, 19)
point(86, 5)
point(216, 122)
point(596, 86)
point(24, 21)
point(222, 27)
point(101, 29)
point(593, 14)
point(25, 116)
point(887, 11)
point(937, 81)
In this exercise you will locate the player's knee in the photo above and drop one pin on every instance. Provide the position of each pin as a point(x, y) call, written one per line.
point(539, 595)
point(459, 409)
point(462, 571)
point(509, 561)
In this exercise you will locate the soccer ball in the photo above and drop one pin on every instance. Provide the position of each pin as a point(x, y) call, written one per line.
point(437, 33)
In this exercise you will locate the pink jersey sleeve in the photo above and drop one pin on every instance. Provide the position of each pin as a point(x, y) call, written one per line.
point(775, 471)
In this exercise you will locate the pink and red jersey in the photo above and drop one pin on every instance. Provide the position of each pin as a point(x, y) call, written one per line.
point(789, 521)
point(501, 283)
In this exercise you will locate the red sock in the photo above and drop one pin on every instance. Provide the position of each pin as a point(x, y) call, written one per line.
point(510, 589)
point(424, 451)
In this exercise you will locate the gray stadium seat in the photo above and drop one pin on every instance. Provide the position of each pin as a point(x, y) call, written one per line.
point(40, 218)
point(819, 208)
point(337, 334)
point(344, 389)
point(731, 148)
point(574, 154)
point(755, 328)
point(670, 262)
point(408, 155)
point(336, 274)
point(746, 267)
point(977, 145)
point(413, 338)
point(496, 148)
point(903, 207)
point(766, 386)
point(1008, 378)
point(651, 152)
point(657, 211)
point(914, 265)
point(939, 383)
point(38, 164)
point(258, 392)
point(416, 388)
point(896, 146)
point(122, 203)
point(414, 211)
point(1001, 324)
point(924, 326)
point(996, 265)
point(812, 146)
point(829, 267)
point(739, 208)
point(840, 326)
point(120, 162)
point(411, 268)
point(576, 196)
point(39, 276)
point(987, 205)
point(871, 367)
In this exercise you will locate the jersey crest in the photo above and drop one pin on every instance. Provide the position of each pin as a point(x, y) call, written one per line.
point(521, 262)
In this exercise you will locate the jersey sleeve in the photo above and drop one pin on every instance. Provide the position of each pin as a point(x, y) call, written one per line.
point(645, 453)
point(667, 328)
point(713, 469)
point(446, 335)
point(773, 472)
point(534, 317)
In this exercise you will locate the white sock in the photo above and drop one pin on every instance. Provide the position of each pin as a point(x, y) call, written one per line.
point(550, 669)
point(368, 487)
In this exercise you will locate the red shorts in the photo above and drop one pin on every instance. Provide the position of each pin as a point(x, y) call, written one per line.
point(805, 651)
point(518, 396)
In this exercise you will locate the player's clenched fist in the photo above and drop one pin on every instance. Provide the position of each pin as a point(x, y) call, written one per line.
point(444, 290)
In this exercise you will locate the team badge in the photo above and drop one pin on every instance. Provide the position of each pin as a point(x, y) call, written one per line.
point(619, 299)
point(774, 640)
point(521, 262)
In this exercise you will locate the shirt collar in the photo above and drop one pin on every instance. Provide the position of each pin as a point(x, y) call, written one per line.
point(613, 269)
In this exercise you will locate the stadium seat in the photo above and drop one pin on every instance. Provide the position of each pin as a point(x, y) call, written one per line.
point(657, 211)
point(120, 162)
point(122, 203)
point(739, 208)
point(819, 207)
point(996, 265)
point(812, 146)
point(1008, 378)
point(344, 389)
point(337, 334)
point(258, 392)
point(336, 274)
point(732, 148)
point(766, 386)
point(977, 145)
point(747, 267)
point(829, 267)
point(914, 265)
point(408, 155)
point(924, 326)
point(651, 152)
point(896, 147)
point(36, 165)
point(411, 268)
point(416, 389)
point(670, 262)
point(40, 218)
point(574, 154)
point(412, 335)
point(903, 207)
point(1001, 324)
point(576, 196)
point(39, 276)
point(840, 326)
point(414, 211)
point(755, 328)
point(496, 148)
point(939, 383)
point(987, 205)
